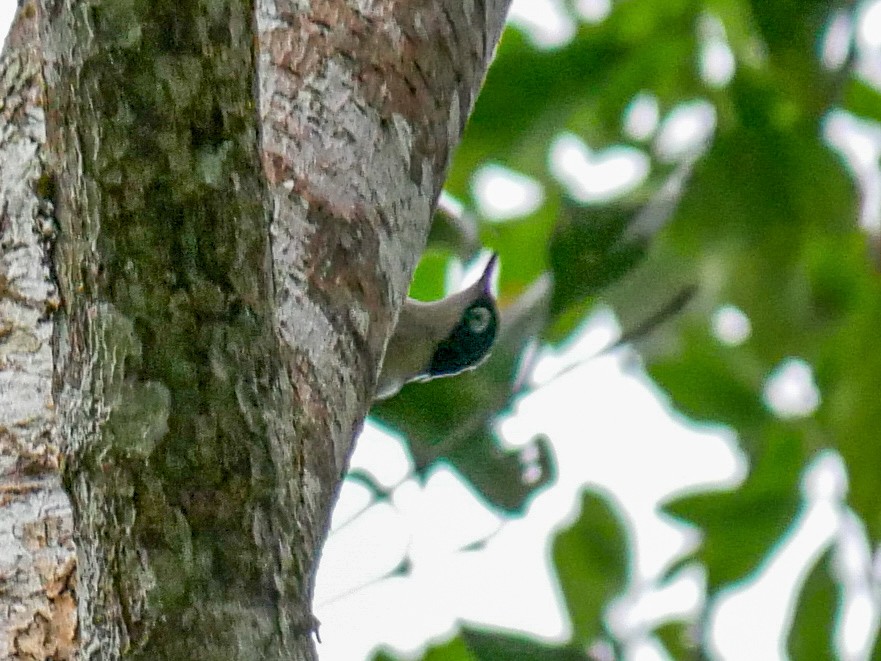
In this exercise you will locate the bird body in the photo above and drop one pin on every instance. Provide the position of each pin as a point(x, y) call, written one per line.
point(441, 338)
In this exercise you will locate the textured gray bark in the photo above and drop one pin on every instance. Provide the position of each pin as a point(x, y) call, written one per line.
point(37, 559)
point(242, 190)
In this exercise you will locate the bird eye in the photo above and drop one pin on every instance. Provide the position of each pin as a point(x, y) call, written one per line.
point(477, 320)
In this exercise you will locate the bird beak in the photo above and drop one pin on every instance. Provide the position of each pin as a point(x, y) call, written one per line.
point(486, 280)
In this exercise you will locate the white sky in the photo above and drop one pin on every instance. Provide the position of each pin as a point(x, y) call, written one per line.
point(7, 11)
point(611, 429)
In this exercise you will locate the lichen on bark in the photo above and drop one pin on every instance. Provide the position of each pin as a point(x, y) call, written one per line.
point(167, 359)
point(237, 225)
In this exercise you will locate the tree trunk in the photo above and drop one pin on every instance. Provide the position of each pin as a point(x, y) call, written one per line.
point(241, 192)
point(37, 557)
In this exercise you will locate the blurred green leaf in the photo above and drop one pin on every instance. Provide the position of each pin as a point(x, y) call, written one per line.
point(430, 278)
point(497, 646)
point(592, 562)
point(741, 527)
point(848, 374)
point(503, 477)
point(678, 639)
point(454, 650)
point(810, 636)
point(863, 99)
point(709, 384)
point(590, 249)
point(797, 26)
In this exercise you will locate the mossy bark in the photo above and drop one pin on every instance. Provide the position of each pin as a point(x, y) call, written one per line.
point(242, 190)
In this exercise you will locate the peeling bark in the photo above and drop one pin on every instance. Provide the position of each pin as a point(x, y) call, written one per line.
point(242, 190)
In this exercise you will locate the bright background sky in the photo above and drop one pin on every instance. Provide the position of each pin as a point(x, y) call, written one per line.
point(612, 430)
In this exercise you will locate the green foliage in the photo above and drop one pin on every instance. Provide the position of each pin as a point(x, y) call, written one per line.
point(485, 646)
point(811, 633)
point(591, 562)
point(740, 527)
point(454, 650)
point(474, 645)
point(765, 217)
point(589, 250)
point(678, 640)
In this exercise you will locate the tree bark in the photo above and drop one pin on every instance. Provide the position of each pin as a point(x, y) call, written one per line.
point(241, 190)
point(37, 558)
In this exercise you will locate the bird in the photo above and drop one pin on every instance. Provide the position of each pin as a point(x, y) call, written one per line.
point(441, 338)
